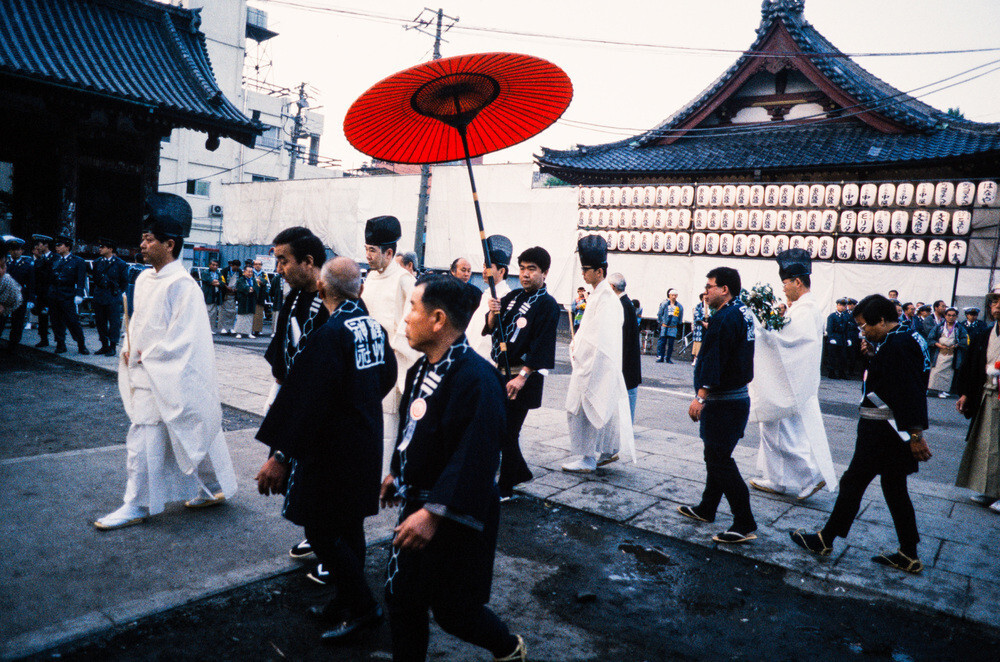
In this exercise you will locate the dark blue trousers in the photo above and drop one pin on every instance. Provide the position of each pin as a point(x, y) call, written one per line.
point(722, 425)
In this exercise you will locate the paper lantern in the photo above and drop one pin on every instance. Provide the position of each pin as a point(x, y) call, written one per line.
point(673, 196)
point(832, 195)
point(904, 194)
point(866, 220)
point(660, 218)
point(824, 250)
point(770, 220)
point(657, 242)
point(753, 245)
point(921, 221)
point(661, 196)
point(772, 195)
point(961, 222)
point(703, 196)
point(726, 243)
point(649, 196)
point(956, 251)
point(698, 243)
point(797, 241)
point(612, 239)
point(582, 217)
point(687, 196)
point(634, 241)
point(882, 221)
point(781, 243)
point(849, 195)
point(828, 223)
point(965, 194)
point(714, 216)
point(615, 218)
point(647, 219)
point(742, 195)
point(897, 250)
point(580, 234)
point(862, 248)
point(924, 195)
point(583, 196)
point(800, 195)
point(715, 195)
point(741, 219)
point(868, 195)
point(625, 196)
point(646, 242)
point(786, 195)
point(756, 195)
point(813, 220)
point(812, 245)
point(671, 218)
point(755, 220)
point(615, 197)
point(937, 251)
point(986, 193)
point(880, 249)
point(817, 195)
point(683, 242)
point(712, 243)
point(669, 242)
point(605, 197)
point(845, 248)
point(939, 222)
point(739, 245)
point(900, 219)
point(767, 246)
point(915, 251)
point(798, 222)
point(886, 194)
point(944, 193)
point(726, 221)
point(684, 218)
point(728, 195)
point(848, 221)
point(700, 219)
point(602, 218)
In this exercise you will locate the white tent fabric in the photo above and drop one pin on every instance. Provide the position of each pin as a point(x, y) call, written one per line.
point(336, 209)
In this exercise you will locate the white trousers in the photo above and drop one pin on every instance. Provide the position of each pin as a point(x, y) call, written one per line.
point(589, 441)
point(786, 456)
point(390, 428)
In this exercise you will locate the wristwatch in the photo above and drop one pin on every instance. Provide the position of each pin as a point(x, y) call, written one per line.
point(280, 457)
point(700, 400)
point(523, 373)
point(916, 436)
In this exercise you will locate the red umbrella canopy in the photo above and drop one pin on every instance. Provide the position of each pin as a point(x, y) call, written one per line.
point(497, 99)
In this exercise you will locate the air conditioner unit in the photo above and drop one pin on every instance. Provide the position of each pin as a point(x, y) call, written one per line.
point(215, 210)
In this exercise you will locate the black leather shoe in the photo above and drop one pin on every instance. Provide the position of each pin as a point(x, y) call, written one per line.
point(42, 343)
point(343, 630)
point(101, 352)
point(61, 349)
point(83, 350)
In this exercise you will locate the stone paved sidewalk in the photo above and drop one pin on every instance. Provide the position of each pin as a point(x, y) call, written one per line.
point(962, 573)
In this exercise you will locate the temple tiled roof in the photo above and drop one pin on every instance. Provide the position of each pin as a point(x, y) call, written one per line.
point(138, 52)
point(927, 132)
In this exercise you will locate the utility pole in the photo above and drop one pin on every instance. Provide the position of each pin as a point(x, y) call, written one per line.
point(293, 145)
point(420, 22)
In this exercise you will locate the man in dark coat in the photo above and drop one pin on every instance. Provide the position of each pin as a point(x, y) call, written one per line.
point(69, 282)
point(452, 420)
point(21, 269)
point(631, 362)
point(973, 325)
point(326, 423)
point(839, 341)
point(893, 416)
point(530, 318)
point(44, 259)
point(108, 279)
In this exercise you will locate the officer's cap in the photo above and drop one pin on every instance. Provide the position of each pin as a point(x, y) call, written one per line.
point(382, 231)
point(11, 241)
point(110, 243)
point(793, 263)
point(842, 301)
point(63, 239)
point(235, 263)
point(593, 251)
point(167, 215)
point(42, 239)
point(501, 249)
point(971, 310)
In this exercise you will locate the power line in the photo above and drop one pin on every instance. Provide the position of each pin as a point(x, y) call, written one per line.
point(222, 172)
point(834, 54)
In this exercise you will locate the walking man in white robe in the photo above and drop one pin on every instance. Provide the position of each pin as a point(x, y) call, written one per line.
point(794, 453)
point(597, 405)
point(386, 294)
point(166, 375)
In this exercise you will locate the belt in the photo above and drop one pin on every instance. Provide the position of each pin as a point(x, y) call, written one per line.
point(733, 394)
point(874, 414)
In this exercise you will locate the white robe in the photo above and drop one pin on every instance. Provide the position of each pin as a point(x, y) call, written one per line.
point(483, 344)
point(597, 406)
point(387, 297)
point(794, 451)
point(171, 395)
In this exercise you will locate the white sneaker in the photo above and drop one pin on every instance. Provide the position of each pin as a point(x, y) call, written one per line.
point(765, 485)
point(585, 464)
point(250, 335)
point(239, 335)
point(127, 515)
point(995, 506)
point(223, 331)
point(812, 489)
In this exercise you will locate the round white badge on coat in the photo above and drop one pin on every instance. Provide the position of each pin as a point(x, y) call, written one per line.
point(418, 408)
point(521, 322)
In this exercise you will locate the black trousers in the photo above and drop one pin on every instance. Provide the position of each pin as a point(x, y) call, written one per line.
point(64, 317)
point(513, 469)
point(340, 547)
point(109, 322)
point(41, 310)
point(877, 457)
point(839, 359)
point(16, 324)
point(723, 423)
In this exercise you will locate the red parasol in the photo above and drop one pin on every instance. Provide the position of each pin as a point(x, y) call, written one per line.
point(457, 108)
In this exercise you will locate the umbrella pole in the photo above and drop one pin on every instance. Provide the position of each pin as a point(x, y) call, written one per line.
point(486, 254)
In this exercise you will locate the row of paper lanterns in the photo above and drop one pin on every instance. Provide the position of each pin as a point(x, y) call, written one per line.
point(879, 249)
point(882, 221)
point(886, 194)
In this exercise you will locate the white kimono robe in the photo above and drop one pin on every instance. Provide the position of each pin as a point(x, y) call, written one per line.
point(387, 297)
point(176, 448)
point(597, 406)
point(483, 344)
point(794, 452)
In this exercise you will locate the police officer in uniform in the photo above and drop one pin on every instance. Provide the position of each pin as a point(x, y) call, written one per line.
point(838, 341)
point(108, 279)
point(21, 269)
point(44, 259)
point(973, 325)
point(69, 280)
